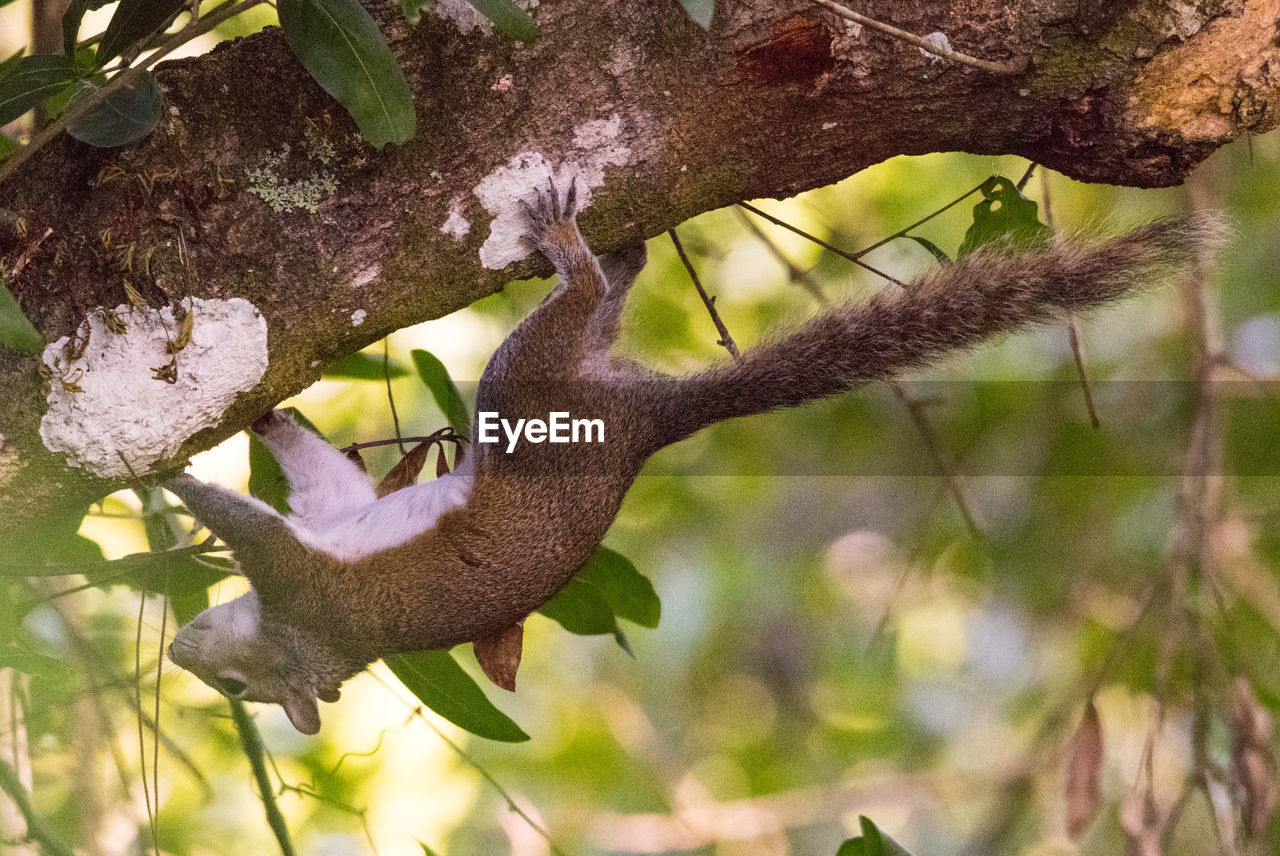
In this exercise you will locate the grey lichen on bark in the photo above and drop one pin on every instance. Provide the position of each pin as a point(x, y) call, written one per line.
point(257, 186)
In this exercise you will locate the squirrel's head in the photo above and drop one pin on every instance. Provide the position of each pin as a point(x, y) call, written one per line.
point(235, 652)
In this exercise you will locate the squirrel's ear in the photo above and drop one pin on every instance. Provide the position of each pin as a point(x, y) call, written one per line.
point(303, 712)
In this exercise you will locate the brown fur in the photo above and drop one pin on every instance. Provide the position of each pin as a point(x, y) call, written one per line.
point(535, 515)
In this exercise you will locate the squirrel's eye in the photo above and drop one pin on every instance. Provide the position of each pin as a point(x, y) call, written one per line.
point(231, 686)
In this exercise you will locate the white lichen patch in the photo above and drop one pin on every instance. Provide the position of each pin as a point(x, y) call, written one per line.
point(941, 44)
point(455, 224)
point(114, 400)
point(285, 194)
point(465, 17)
point(596, 144)
point(317, 146)
point(357, 317)
point(367, 275)
point(1184, 19)
point(827, 126)
point(622, 59)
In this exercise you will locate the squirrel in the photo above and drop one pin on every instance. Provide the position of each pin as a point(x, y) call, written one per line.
point(347, 578)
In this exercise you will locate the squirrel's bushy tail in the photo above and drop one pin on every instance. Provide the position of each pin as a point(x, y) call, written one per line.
point(954, 307)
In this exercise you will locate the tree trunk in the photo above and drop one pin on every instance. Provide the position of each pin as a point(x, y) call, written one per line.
point(256, 206)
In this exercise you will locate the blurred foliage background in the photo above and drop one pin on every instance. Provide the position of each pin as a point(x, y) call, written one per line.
point(861, 615)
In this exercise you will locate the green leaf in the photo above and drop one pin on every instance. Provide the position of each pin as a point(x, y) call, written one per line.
point(701, 11)
point(934, 249)
point(426, 851)
point(266, 479)
point(133, 21)
point(10, 65)
point(182, 576)
point(606, 588)
point(71, 21)
point(581, 607)
point(338, 42)
point(35, 665)
point(36, 78)
point(1004, 215)
point(16, 332)
point(442, 685)
point(187, 606)
point(83, 65)
point(965, 557)
point(412, 9)
point(7, 146)
point(510, 19)
point(443, 390)
point(873, 842)
point(628, 591)
point(362, 366)
point(124, 116)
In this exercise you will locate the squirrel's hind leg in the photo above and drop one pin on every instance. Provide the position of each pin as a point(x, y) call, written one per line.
point(620, 270)
point(324, 485)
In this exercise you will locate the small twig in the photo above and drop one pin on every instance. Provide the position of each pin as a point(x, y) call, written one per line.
point(1073, 329)
point(1013, 66)
point(512, 805)
point(1077, 354)
point(1026, 176)
point(795, 273)
point(1190, 785)
point(155, 743)
point(915, 407)
point(118, 567)
point(251, 743)
point(310, 791)
point(710, 302)
point(853, 257)
point(30, 251)
point(878, 632)
point(391, 399)
point(142, 742)
point(93, 665)
point(902, 233)
point(37, 829)
point(446, 435)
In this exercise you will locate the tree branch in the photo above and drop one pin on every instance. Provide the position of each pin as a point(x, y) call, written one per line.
point(258, 207)
point(251, 743)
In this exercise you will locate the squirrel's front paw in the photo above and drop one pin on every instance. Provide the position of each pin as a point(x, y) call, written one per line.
point(553, 229)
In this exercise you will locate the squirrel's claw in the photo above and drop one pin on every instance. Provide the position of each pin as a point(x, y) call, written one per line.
point(571, 199)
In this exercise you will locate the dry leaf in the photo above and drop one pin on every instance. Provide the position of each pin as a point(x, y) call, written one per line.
point(499, 655)
point(114, 322)
point(407, 471)
point(184, 333)
point(135, 299)
point(1083, 773)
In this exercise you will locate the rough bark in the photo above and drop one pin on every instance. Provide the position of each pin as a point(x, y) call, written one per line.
point(661, 120)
